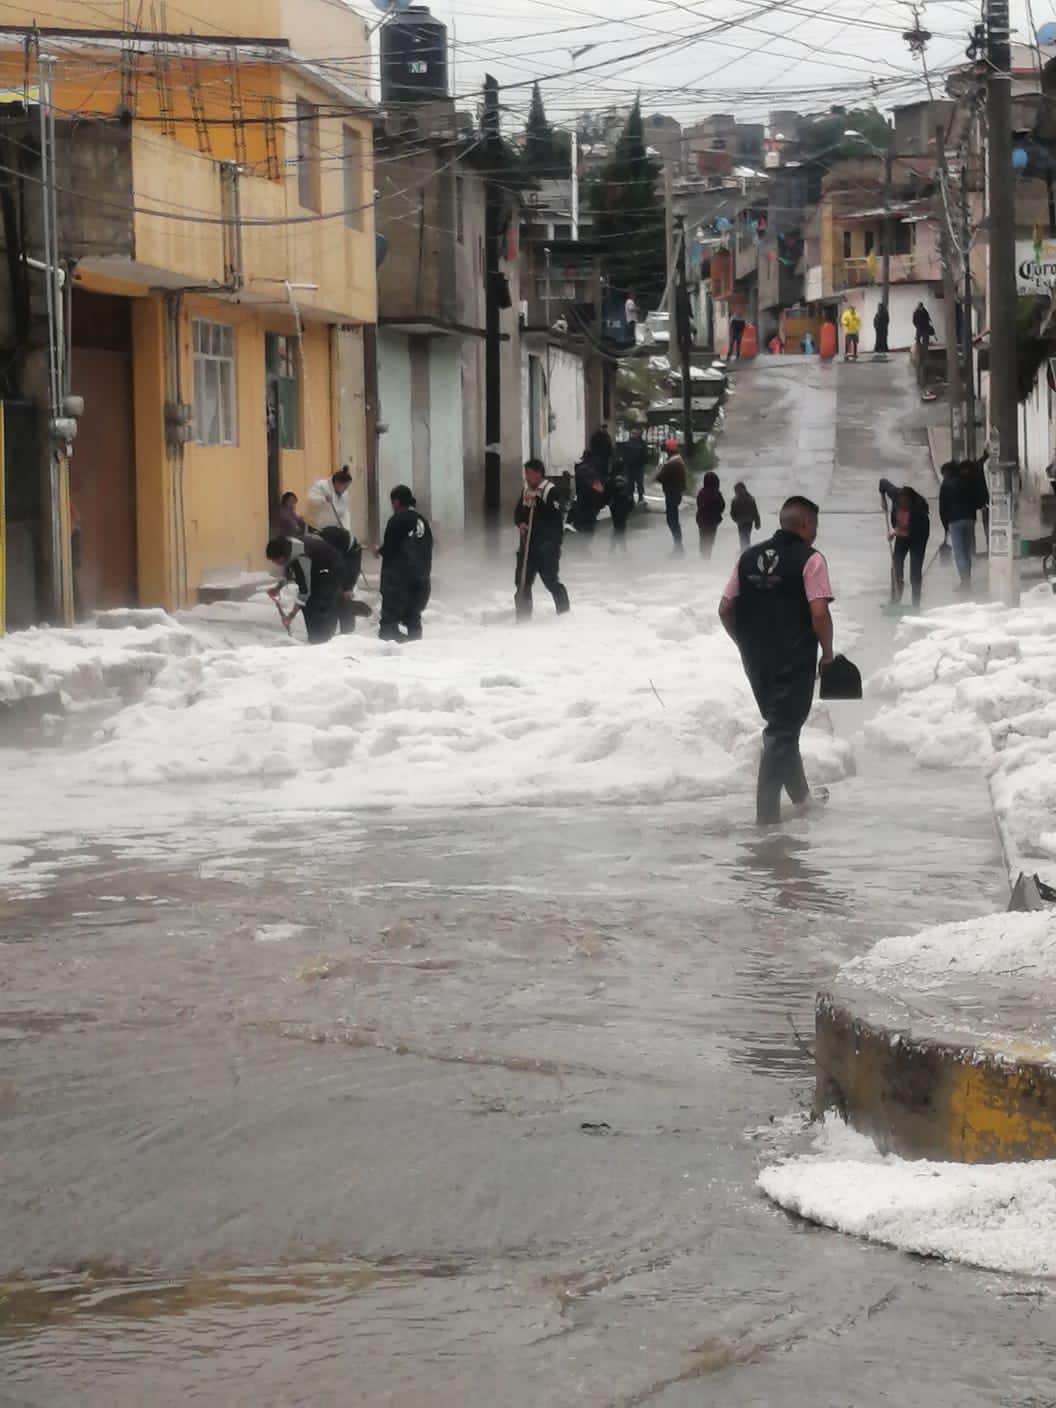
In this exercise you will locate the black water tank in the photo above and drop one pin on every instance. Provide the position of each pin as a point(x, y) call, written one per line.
point(413, 57)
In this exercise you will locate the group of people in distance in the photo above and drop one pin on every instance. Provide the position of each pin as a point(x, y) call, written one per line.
point(318, 553)
point(323, 560)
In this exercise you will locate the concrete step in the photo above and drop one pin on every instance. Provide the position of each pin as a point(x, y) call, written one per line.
point(966, 1073)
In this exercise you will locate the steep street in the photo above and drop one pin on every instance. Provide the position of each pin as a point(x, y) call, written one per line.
point(463, 1104)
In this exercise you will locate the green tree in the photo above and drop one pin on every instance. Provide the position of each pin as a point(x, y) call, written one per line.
point(546, 151)
point(827, 135)
point(629, 220)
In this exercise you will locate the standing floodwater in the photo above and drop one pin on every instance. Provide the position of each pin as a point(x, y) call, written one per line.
point(464, 1106)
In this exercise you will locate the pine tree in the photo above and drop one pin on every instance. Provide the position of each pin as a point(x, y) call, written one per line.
point(539, 144)
point(629, 217)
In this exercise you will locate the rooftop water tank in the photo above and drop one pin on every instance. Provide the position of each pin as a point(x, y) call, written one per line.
point(413, 57)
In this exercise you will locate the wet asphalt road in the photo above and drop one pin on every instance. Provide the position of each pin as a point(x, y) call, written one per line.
point(484, 1129)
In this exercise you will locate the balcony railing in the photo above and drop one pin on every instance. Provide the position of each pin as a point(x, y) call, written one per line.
point(859, 273)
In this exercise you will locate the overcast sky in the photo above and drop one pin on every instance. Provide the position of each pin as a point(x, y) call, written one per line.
point(745, 56)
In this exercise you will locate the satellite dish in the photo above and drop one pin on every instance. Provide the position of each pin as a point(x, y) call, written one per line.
point(392, 6)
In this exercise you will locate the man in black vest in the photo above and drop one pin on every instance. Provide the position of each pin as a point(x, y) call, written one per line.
point(776, 609)
point(540, 521)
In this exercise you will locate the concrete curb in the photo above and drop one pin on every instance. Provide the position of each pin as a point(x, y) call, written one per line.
point(924, 1097)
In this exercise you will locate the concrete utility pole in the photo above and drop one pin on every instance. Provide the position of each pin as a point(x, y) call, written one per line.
point(886, 230)
point(684, 332)
point(954, 388)
point(966, 324)
point(1003, 469)
point(492, 336)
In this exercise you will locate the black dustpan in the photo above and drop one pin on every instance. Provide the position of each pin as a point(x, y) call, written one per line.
point(841, 680)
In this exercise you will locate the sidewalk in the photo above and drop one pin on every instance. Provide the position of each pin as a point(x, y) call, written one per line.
point(941, 1045)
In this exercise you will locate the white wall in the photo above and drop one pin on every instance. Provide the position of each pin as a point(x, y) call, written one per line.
point(445, 435)
point(395, 455)
point(567, 437)
point(904, 299)
point(1035, 453)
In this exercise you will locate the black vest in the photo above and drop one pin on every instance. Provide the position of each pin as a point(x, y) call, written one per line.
point(775, 631)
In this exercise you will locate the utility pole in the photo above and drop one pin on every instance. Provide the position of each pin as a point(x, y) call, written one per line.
point(683, 333)
point(966, 324)
point(885, 228)
point(492, 338)
point(1003, 469)
point(954, 391)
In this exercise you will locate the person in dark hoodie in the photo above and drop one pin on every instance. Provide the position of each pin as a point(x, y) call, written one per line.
point(634, 453)
point(620, 495)
point(710, 509)
point(958, 502)
point(745, 513)
point(590, 494)
point(908, 535)
point(406, 556)
point(601, 452)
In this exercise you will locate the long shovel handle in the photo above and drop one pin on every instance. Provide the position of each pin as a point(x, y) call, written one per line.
point(527, 547)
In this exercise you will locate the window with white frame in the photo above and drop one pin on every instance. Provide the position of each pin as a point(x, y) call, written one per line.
point(215, 397)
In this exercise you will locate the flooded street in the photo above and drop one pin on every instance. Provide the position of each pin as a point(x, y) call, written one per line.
point(465, 1107)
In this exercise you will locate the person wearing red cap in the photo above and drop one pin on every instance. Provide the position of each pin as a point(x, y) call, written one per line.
point(674, 480)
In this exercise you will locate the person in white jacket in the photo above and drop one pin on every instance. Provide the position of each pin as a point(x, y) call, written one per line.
point(328, 505)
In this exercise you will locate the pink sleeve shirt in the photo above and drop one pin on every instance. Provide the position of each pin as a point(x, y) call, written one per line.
point(815, 580)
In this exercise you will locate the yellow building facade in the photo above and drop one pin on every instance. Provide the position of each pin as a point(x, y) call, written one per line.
point(220, 342)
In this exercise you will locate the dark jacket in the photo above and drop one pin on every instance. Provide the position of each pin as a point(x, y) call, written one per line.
point(919, 512)
point(601, 452)
point(635, 456)
point(744, 510)
point(882, 320)
point(710, 504)
point(406, 551)
point(922, 322)
point(673, 477)
point(975, 473)
point(958, 499)
point(547, 518)
point(772, 618)
point(317, 569)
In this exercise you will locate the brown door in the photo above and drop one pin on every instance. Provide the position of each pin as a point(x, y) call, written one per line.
point(103, 467)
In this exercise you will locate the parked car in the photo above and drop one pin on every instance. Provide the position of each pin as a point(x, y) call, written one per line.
point(655, 331)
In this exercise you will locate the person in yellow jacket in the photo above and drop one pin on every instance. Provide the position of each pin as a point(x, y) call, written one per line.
point(852, 326)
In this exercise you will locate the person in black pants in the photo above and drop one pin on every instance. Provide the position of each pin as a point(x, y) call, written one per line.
point(745, 513)
point(635, 455)
point(539, 519)
point(621, 504)
point(776, 609)
point(317, 570)
point(406, 556)
point(910, 530)
point(881, 326)
point(737, 326)
point(674, 480)
point(710, 509)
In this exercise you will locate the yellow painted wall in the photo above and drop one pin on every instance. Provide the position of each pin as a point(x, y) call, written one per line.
point(155, 521)
point(225, 487)
point(315, 28)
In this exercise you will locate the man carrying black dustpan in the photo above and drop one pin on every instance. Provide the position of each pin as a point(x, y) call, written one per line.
point(776, 609)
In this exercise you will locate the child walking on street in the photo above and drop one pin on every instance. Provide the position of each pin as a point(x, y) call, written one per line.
point(710, 508)
point(745, 513)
